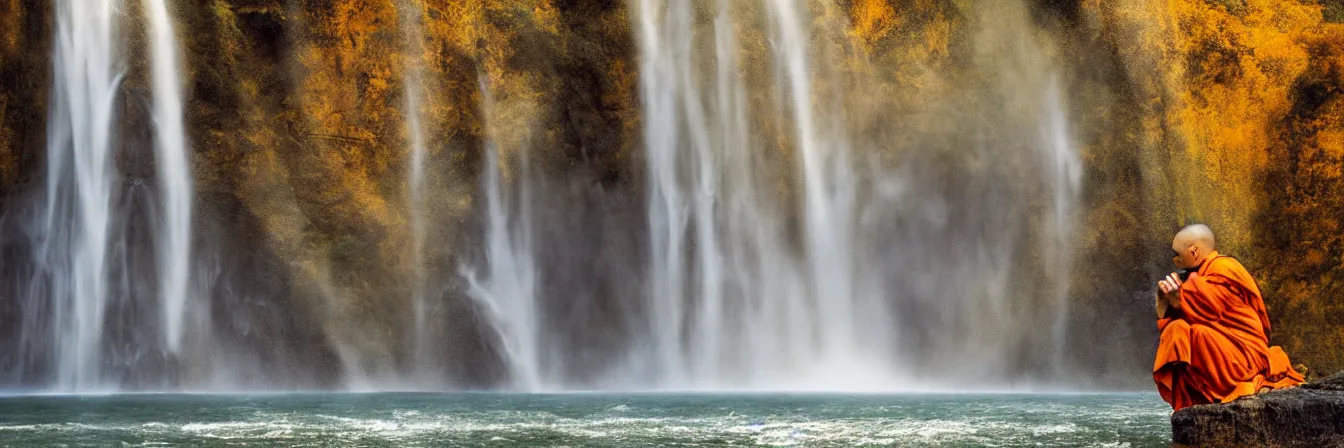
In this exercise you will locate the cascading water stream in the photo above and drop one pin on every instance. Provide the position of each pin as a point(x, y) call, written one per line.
point(508, 293)
point(414, 84)
point(1066, 177)
point(82, 304)
point(74, 236)
point(751, 288)
point(667, 214)
point(740, 316)
point(174, 174)
point(827, 181)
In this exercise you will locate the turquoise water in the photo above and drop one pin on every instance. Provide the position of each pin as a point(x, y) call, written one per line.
point(671, 420)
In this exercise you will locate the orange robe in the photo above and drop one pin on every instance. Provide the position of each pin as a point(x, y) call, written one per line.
point(1215, 348)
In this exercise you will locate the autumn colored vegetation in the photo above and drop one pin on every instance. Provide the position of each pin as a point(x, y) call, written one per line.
point(1239, 117)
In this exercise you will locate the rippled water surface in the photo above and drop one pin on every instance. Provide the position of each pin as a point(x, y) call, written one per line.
point(413, 419)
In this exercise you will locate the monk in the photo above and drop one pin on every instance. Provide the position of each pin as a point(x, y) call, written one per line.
point(1215, 332)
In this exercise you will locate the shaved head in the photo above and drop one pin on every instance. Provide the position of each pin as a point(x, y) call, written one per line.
point(1195, 234)
point(1192, 244)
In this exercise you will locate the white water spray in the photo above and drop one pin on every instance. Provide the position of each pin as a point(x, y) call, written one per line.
point(754, 287)
point(175, 176)
point(81, 176)
point(1065, 169)
point(667, 213)
point(752, 311)
point(508, 294)
point(827, 198)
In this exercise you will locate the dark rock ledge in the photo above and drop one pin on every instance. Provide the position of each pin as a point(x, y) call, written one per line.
point(1311, 415)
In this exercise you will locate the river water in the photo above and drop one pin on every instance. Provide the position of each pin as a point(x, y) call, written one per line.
point(597, 419)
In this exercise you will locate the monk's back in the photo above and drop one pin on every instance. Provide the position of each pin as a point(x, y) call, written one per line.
point(1241, 311)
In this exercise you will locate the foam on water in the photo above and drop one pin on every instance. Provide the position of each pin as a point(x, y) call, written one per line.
point(583, 420)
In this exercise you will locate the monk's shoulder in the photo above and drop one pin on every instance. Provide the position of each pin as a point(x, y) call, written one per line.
point(1226, 262)
point(1228, 266)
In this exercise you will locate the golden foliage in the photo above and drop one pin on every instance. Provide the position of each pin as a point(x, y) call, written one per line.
point(1302, 226)
point(872, 20)
point(456, 22)
point(346, 169)
point(1238, 82)
point(1241, 123)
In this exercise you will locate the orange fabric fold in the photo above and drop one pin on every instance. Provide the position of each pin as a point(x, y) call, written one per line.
point(1215, 348)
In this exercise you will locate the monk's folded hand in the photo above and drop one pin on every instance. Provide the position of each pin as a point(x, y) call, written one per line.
point(1169, 290)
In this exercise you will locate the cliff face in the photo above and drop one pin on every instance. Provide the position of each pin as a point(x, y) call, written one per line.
point(25, 68)
point(1225, 112)
point(1302, 251)
point(303, 127)
point(1238, 104)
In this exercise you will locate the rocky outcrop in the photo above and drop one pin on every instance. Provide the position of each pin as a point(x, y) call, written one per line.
point(1308, 416)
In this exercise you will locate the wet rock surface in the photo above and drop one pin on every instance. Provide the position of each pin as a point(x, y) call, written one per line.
point(1311, 415)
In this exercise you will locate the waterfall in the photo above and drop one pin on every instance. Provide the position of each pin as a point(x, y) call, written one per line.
point(731, 303)
point(817, 286)
point(1065, 171)
point(667, 212)
point(783, 239)
point(83, 278)
point(74, 236)
point(507, 295)
point(414, 82)
point(174, 174)
point(828, 204)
